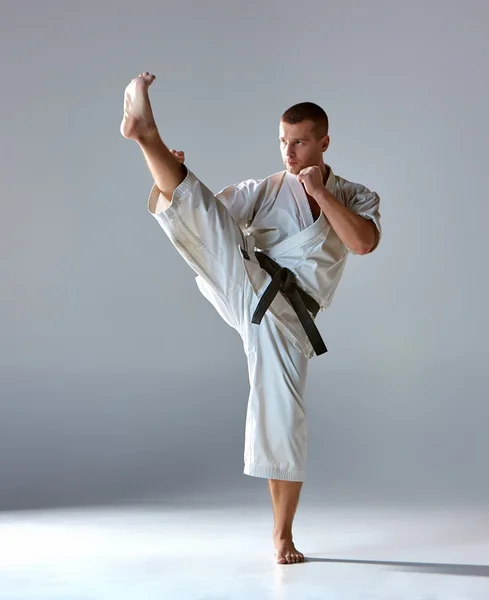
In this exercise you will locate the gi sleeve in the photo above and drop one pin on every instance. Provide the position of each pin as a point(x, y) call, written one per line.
point(366, 203)
point(240, 200)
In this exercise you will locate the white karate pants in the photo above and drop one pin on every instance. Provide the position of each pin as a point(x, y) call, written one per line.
point(204, 233)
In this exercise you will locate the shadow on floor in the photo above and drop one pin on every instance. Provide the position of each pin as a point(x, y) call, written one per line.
point(435, 568)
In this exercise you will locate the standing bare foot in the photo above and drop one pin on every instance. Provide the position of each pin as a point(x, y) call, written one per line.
point(138, 122)
point(285, 551)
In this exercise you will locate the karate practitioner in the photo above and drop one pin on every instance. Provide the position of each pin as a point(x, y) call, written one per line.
point(268, 255)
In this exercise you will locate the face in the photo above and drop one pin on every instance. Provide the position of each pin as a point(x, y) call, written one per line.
point(299, 146)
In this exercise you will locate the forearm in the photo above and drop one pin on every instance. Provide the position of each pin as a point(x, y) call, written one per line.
point(357, 233)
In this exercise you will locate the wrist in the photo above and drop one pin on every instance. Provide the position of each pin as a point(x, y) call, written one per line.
point(324, 198)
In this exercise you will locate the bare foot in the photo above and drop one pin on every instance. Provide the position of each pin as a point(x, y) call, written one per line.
point(286, 553)
point(138, 122)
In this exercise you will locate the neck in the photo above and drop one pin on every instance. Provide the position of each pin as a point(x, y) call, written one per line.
point(325, 171)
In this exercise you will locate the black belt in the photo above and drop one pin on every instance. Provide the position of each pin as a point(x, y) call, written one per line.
point(284, 281)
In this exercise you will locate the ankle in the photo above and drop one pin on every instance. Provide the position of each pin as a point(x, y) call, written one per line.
point(149, 137)
point(282, 533)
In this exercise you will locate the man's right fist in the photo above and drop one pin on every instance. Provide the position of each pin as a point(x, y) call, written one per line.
point(179, 155)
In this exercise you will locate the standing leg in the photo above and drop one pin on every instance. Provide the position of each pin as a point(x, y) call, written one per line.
point(285, 498)
point(276, 427)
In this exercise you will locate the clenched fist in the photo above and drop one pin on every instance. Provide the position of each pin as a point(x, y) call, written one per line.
point(179, 155)
point(312, 178)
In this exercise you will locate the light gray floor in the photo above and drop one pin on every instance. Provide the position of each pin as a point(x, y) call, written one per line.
point(185, 552)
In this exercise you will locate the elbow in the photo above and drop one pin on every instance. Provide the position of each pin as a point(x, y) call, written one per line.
point(362, 248)
point(366, 246)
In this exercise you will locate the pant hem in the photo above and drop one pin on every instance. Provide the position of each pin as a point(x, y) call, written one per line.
point(274, 473)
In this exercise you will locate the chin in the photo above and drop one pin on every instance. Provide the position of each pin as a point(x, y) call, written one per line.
point(294, 169)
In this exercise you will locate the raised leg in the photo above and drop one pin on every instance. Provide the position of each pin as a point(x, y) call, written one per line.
point(197, 224)
point(139, 125)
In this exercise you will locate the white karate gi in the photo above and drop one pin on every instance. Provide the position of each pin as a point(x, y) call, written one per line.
point(272, 215)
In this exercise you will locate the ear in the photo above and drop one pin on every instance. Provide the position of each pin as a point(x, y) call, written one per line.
point(325, 143)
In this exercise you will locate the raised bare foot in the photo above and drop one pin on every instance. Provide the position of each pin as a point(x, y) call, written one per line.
point(285, 551)
point(138, 122)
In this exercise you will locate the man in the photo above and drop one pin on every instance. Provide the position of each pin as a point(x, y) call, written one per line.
point(268, 255)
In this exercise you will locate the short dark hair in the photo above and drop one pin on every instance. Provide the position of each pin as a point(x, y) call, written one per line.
point(308, 111)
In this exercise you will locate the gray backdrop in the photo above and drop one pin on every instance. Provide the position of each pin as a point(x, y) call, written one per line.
point(118, 379)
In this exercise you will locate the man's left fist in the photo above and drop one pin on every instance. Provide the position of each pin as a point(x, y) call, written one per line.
point(312, 178)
